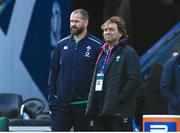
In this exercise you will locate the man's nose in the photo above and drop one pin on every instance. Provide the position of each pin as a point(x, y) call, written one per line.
point(107, 31)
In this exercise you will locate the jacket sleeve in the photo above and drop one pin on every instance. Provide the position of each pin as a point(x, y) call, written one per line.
point(132, 70)
point(53, 74)
point(167, 83)
point(91, 105)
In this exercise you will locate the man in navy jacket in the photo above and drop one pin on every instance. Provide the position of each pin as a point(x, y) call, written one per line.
point(71, 73)
point(116, 78)
point(170, 84)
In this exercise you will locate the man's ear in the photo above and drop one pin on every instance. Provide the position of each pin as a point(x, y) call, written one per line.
point(86, 23)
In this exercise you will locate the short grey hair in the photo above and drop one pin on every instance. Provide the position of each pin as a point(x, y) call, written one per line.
point(83, 12)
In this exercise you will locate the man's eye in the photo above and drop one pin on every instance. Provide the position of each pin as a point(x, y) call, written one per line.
point(109, 29)
point(106, 29)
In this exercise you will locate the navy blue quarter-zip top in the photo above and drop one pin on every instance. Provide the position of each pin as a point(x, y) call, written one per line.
point(74, 63)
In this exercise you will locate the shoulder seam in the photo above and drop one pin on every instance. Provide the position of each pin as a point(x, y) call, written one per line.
point(64, 39)
point(95, 40)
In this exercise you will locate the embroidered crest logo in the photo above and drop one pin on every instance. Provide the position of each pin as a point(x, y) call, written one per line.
point(88, 49)
point(118, 58)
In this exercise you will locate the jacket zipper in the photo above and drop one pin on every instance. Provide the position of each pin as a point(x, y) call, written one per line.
point(74, 68)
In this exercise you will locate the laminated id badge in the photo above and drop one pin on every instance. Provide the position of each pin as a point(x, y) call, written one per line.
point(99, 81)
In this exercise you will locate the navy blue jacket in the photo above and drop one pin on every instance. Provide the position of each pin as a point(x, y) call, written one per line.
point(170, 84)
point(72, 68)
point(121, 80)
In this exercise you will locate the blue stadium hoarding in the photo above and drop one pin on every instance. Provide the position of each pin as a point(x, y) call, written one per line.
point(29, 32)
point(161, 50)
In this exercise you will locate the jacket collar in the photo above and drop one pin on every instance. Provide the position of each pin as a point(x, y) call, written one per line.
point(122, 43)
point(84, 38)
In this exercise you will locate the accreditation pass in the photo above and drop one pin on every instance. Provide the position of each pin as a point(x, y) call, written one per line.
point(99, 81)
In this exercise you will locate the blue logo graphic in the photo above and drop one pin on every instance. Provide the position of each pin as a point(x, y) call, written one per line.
point(160, 126)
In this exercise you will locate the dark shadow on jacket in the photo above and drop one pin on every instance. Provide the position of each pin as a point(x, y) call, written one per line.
point(149, 99)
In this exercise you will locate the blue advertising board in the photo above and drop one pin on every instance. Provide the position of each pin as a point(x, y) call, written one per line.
point(160, 126)
point(29, 32)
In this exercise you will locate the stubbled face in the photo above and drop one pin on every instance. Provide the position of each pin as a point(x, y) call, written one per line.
point(77, 24)
point(111, 33)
